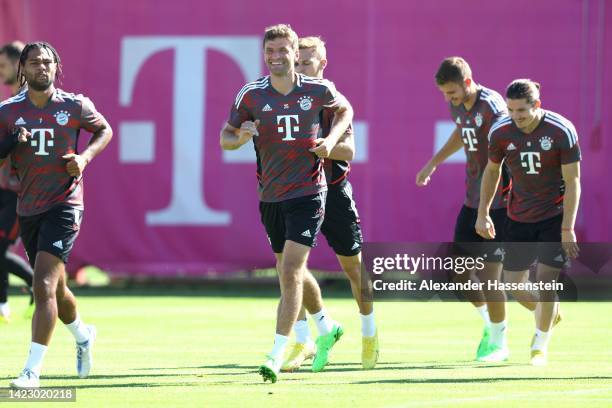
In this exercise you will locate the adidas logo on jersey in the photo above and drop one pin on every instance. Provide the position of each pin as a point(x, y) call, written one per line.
point(511, 146)
point(20, 121)
point(266, 108)
point(58, 244)
point(306, 234)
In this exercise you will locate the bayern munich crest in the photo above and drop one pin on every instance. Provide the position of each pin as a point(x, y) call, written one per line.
point(305, 102)
point(545, 143)
point(62, 117)
point(478, 119)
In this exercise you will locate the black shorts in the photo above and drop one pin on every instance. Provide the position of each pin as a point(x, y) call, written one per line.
point(9, 226)
point(341, 226)
point(468, 242)
point(298, 220)
point(53, 231)
point(520, 250)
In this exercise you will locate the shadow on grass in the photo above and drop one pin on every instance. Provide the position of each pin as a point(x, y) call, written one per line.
point(342, 367)
point(474, 380)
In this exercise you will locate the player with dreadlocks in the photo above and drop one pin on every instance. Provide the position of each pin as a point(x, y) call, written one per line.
point(39, 129)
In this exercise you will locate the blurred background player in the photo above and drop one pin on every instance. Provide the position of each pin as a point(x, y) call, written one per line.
point(475, 108)
point(541, 149)
point(283, 112)
point(341, 226)
point(9, 186)
point(39, 129)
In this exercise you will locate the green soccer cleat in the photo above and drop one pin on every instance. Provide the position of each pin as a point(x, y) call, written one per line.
point(483, 346)
point(270, 369)
point(495, 354)
point(324, 346)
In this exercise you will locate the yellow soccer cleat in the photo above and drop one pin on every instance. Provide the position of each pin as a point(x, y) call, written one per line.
point(369, 351)
point(300, 353)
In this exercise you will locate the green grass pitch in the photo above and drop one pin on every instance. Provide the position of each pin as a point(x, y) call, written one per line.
point(182, 349)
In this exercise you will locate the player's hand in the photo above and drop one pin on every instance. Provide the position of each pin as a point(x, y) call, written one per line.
point(22, 134)
point(568, 242)
point(75, 165)
point(484, 227)
point(424, 176)
point(322, 148)
point(247, 130)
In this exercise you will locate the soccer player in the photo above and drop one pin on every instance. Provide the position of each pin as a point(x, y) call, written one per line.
point(38, 130)
point(281, 113)
point(474, 108)
point(341, 225)
point(9, 185)
point(541, 149)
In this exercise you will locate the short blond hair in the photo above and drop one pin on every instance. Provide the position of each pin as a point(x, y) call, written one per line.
point(281, 31)
point(315, 42)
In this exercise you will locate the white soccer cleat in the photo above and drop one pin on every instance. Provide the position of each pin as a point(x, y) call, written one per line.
point(5, 313)
point(27, 379)
point(85, 353)
point(538, 358)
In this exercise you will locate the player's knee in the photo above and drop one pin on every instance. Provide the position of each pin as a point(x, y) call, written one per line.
point(351, 267)
point(43, 290)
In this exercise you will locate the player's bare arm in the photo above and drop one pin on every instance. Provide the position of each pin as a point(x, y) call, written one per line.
point(76, 163)
point(453, 144)
point(571, 178)
point(344, 149)
point(232, 138)
point(488, 187)
point(343, 116)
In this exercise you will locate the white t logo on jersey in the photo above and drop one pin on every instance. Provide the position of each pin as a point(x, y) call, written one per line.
point(40, 140)
point(531, 160)
point(286, 126)
point(469, 138)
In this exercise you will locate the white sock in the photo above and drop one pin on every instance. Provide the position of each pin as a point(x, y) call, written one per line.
point(541, 340)
point(484, 313)
point(368, 325)
point(324, 323)
point(302, 332)
point(278, 350)
point(5, 310)
point(35, 359)
point(498, 334)
point(78, 330)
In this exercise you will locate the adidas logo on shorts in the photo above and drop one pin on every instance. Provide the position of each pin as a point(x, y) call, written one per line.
point(58, 244)
point(306, 234)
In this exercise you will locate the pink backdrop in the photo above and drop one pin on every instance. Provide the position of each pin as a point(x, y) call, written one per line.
point(163, 199)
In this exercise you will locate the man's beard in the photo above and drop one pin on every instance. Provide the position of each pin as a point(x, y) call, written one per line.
point(39, 86)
